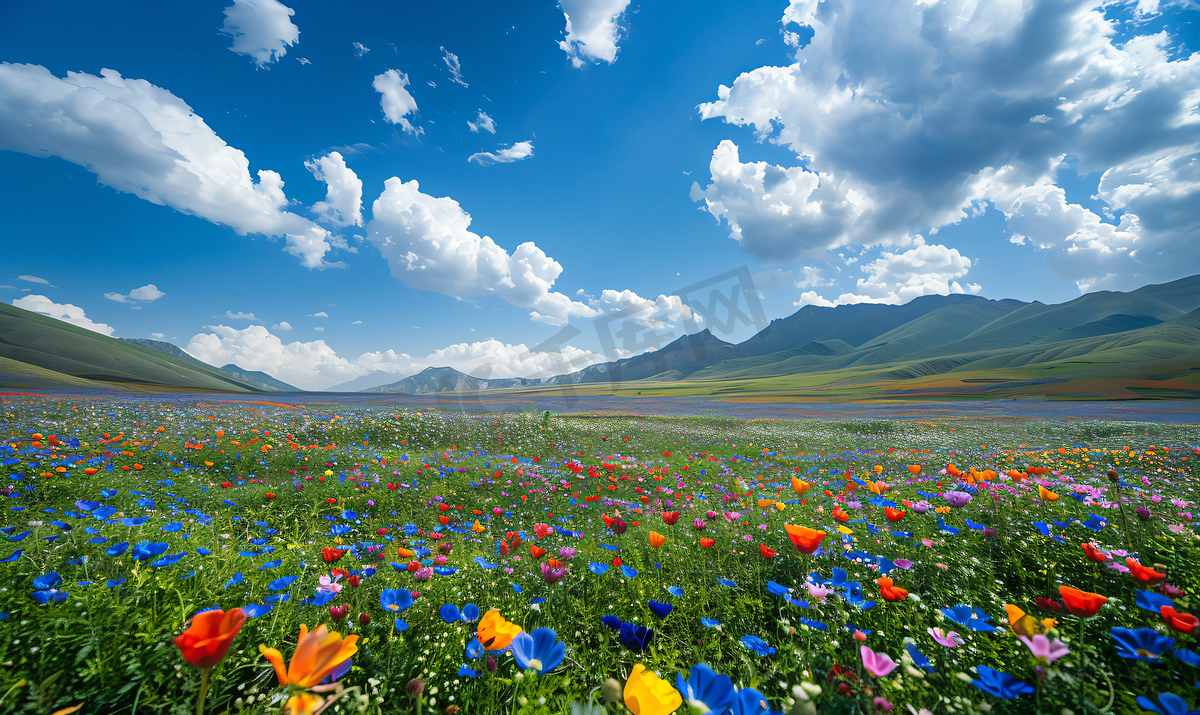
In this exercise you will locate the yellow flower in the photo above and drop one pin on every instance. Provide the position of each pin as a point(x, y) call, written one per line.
point(302, 704)
point(317, 654)
point(648, 694)
point(478, 528)
point(495, 633)
point(1046, 494)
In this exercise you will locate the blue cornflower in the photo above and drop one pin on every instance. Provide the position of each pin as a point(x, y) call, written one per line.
point(662, 610)
point(968, 617)
point(1144, 644)
point(450, 613)
point(540, 650)
point(612, 622)
point(1002, 685)
point(758, 645)
point(1168, 704)
point(146, 550)
point(675, 591)
point(635, 638)
point(706, 691)
point(474, 649)
point(395, 599)
point(470, 613)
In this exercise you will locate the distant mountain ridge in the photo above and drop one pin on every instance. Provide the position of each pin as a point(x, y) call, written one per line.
point(258, 379)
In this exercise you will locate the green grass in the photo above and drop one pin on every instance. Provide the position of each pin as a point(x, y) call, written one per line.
point(111, 647)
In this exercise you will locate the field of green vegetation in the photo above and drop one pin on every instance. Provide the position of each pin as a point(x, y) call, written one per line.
point(516, 562)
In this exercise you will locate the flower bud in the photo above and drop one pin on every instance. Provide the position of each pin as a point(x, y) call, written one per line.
point(491, 664)
point(610, 690)
point(1113, 476)
point(364, 619)
point(415, 687)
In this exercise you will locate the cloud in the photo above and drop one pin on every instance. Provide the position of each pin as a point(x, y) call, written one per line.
point(282, 326)
point(343, 196)
point(483, 123)
point(35, 279)
point(65, 312)
point(453, 65)
point(360, 49)
point(157, 336)
point(357, 322)
point(322, 314)
point(911, 116)
point(146, 294)
point(143, 140)
point(517, 152)
point(662, 312)
point(592, 29)
point(396, 101)
point(428, 245)
point(896, 278)
point(261, 30)
point(812, 278)
point(242, 316)
point(315, 365)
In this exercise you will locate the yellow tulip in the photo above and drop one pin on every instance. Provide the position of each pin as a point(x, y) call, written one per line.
point(648, 694)
point(317, 654)
point(495, 633)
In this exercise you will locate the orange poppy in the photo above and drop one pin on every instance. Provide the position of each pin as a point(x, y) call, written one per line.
point(806, 540)
point(893, 514)
point(840, 515)
point(889, 591)
point(537, 551)
point(914, 468)
point(1184, 623)
point(207, 639)
point(1081, 603)
point(707, 543)
point(800, 486)
point(1148, 576)
point(656, 539)
point(1094, 554)
point(1046, 494)
point(406, 553)
point(443, 519)
point(1022, 624)
point(495, 633)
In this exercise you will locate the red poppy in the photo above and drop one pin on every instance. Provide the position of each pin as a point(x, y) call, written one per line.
point(443, 519)
point(381, 531)
point(840, 515)
point(1148, 576)
point(270, 495)
point(889, 591)
point(332, 555)
point(354, 580)
point(893, 514)
point(442, 506)
point(537, 551)
point(765, 551)
point(1081, 603)
point(331, 500)
point(226, 485)
point(707, 543)
point(1094, 554)
point(1184, 623)
point(541, 531)
point(413, 566)
point(1047, 604)
point(670, 517)
point(617, 562)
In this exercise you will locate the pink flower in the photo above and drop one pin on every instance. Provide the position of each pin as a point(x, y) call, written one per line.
point(950, 640)
point(699, 524)
point(877, 664)
point(882, 703)
point(552, 575)
point(423, 574)
point(1042, 647)
point(816, 591)
point(330, 585)
point(860, 636)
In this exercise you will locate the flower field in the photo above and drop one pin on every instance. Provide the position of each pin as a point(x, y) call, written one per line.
point(162, 555)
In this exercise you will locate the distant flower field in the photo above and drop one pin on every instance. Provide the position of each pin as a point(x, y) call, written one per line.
point(177, 556)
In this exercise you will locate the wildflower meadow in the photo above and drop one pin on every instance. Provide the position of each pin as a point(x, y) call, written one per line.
point(163, 555)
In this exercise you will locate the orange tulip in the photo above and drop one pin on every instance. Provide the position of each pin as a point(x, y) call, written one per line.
point(800, 486)
point(1184, 623)
point(806, 540)
point(707, 543)
point(495, 633)
point(1081, 603)
point(207, 639)
point(656, 539)
point(889, 591)
point(765, 551)
point(1046, 494)
point(1148, 576)
point(317, 654)
point(893, 514)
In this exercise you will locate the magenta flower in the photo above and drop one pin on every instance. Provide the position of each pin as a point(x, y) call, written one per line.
point(1044, 648)
point(816, 591)
point(950, 640)
point(567, 552)
point(423, 574)
point(877, 664)
point(552, 575)
point(699, 524)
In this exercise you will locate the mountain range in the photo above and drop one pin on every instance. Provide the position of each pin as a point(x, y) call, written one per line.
point(1102, 345)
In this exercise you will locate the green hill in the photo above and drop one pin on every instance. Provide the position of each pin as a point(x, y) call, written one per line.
point(74, 354)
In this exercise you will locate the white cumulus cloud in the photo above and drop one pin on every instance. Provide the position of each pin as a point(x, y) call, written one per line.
point(343, 196)
point(516, 152)
point(65, 312)
point(913, 116)
point(143, 140)
point(396, 102)
point(428, 244)
point(593, 29)
point(261, 30)
point(146, 294)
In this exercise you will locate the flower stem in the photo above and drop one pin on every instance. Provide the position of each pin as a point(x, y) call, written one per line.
point(203, 690)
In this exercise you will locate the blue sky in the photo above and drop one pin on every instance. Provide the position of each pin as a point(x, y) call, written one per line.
point(455, 183)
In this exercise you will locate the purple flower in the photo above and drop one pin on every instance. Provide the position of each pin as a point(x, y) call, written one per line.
point(552, 575)
point(567, 552)
point(957, 499)
point(1044, 648)
point(922, 506)
point(423, 574)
